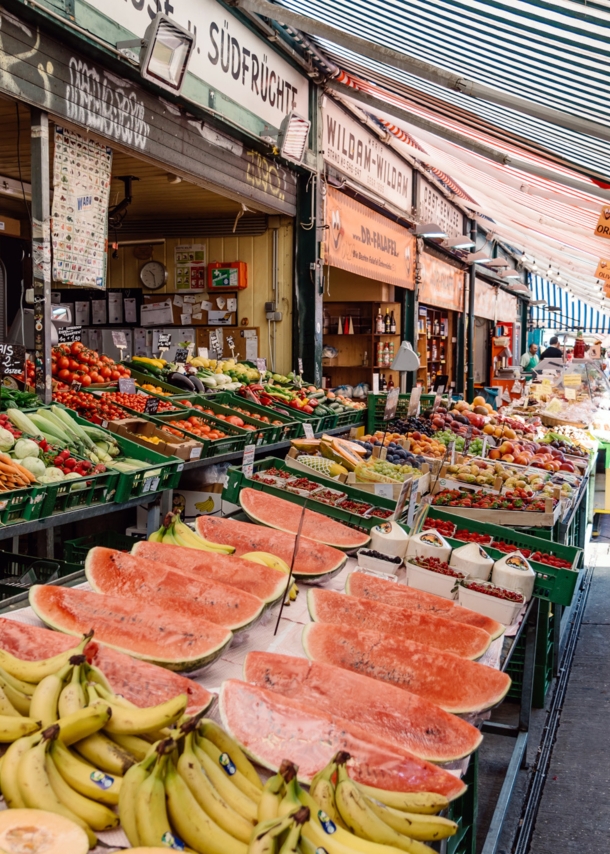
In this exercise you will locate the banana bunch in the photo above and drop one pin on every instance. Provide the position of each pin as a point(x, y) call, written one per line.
point(176, 533)
point(280, 835)
point(346, 818)
point(267, 559)
point(196, 788)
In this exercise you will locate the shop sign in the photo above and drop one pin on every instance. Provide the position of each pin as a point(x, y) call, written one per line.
point(603, 270)
point(432, 206)
point(493, 303)
point(360, 155)
point(602, 229)
point(367, 244)
point(441, 284)
point(228, 56)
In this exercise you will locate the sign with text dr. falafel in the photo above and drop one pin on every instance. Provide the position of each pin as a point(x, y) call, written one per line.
point(363, 242)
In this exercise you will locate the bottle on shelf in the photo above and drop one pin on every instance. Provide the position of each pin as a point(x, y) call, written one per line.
point(365, 359)
point(386, 355)
point(437, 327)
point(346, 325)
point(392, 323)
point(391, 345)
point(386, 322)
point(326, 322)
point(579, 346)
point(379, 361)
point(391, 383)
point(383, 386)
point(379, 322)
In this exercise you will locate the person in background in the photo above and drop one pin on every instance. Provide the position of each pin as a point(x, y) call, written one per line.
point(530, 359)
point(552, 351)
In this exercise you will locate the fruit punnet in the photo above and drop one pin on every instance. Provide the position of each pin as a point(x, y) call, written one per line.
point(313, 561)
point(395, 715)
point(119, 574)
point(285, 516)
point(453, 683)
point(153, 633)
point(139, 682)
point(328, 606)
point(270, 727)
point(266, 583)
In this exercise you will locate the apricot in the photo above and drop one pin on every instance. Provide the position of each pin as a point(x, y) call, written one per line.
point(479, 401)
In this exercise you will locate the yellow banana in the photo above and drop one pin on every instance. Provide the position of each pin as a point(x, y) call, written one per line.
point(187, 538)
point(273, 792)
point(145, 720)
point(138, 747)
point(152, 823)
point(225, 761)
point(157, 536)
point(236, 799)
point(17, 698)
point(426, 803)
point(267, 559)
point(72, 696)
point(83, 723)
point(194, 825)
point(227, 744)
point(8, 772)
point(36, 789)
point(43, 705)
point(26, 688)
point(290, 844)
point(130, 787)
point(266, 835)
point(105, 754)
point(97, 816)
point(95, 675)
point(168, 537)
point(12, 728)
point(85, 778)
point(364, 823)
point(35, 671)
point(323, 793)
point(6, 707)
point(423, 827)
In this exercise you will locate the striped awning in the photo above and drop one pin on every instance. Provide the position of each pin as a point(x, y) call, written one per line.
point(569, 313)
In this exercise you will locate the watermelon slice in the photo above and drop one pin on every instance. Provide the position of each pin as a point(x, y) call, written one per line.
point(262, 581)
point(394, 715)
point(313, 562)
point(271, 728)
point(151, 632)
point(453, 683)
point(328, 606)
point(265, 509)
point(139, 682)
point(120, 574)
point(367, 586)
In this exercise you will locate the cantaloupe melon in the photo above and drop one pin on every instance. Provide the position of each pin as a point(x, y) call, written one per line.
point(40, 832)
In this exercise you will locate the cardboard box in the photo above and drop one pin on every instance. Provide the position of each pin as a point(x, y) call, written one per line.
point(246, 340)
point(135, 428)
point(9, 227)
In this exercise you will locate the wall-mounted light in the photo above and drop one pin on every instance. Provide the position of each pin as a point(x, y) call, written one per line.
point(509, 274)
point(292, 140)
point(481, 257)
point(497, 263)
point(459, 243)
point(429, 229)
point(165, 51)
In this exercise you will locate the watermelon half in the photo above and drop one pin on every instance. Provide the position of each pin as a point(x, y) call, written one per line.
point(262, 581)
point(366, 586)
point(139, 682)
point(271, 728)
point(396, 716)
point(453, 683)
point(316, 562)
point(265, 509)
point(328, 606)
point(120, 574)
point(148, 631)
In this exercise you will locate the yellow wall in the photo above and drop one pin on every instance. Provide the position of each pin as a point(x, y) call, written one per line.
point(257, 253)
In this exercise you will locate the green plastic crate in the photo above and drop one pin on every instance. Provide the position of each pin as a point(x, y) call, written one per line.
point(319, 423)
point(544, 660)
point(552, 584)
point(88, 491)
point(19, 572)
point(140, 377)
point(112, 389)
point(76, 551)
point(237, 480)
point(234, 442)
point(376, 408)
point(264, 434)
point(22, 505)
point(293, 429)
point(350, 418)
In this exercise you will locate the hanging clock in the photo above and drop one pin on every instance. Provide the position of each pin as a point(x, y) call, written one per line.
point(153, 275)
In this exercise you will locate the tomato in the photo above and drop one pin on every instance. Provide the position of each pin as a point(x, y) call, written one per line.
point(84, 379)
point(115, 375)
point(106, 373)
point(63, 363)
point(64, 374)
point(76, 347)
point(95, 377)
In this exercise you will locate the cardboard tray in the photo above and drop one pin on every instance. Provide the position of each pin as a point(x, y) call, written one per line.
point(134, 428)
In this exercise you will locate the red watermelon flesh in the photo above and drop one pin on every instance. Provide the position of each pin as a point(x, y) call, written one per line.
point(262, 581)
point(453, 683)
point(286, 516)
point(367, 586)
point(149, 631)
point(328, 606)
point(313, 561)
point(272, 728)
point(396, 716)
point(139, 682)
point(120, 574)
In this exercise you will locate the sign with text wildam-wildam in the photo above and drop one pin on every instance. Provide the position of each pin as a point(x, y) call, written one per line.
point(228, 55)
point(360, 155)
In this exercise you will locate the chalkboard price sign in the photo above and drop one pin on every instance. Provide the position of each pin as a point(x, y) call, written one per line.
point(151, 406)
point(127, 386)
point(69, 334)
point(165, 340)
point(119, 339)
point(181, 355)
point(12, 359)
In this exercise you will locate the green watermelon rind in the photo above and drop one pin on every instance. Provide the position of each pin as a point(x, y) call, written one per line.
point(345, 548)
point(185, 665)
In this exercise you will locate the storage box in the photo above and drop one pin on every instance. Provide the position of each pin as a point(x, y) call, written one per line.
point(227, 275)
point(431, 582)
point(135, 428)
point(246, 341)
point(502, 610)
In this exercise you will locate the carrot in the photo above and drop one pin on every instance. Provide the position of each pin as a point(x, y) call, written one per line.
point(5, 461)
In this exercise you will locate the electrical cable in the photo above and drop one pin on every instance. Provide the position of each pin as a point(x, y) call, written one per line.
point(29, 213)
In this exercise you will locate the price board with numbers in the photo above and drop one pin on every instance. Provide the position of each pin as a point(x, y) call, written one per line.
point(119, 339)
point(127, 385)
point(151, 406)
point(69, 334)
point(181, 355)
point(165, 340)
point(12, 359)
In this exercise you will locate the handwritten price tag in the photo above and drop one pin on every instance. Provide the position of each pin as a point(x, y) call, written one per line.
point(248, 460)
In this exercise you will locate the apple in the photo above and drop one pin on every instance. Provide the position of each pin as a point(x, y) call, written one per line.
point(508, 458)
point(494, 454)
point(507, 448)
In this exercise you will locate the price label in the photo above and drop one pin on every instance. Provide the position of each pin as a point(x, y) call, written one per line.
point(484, 448)
point(231, 345)
point(300, 366)
point(165, 340)
point(403, 497)
point(119, 339)
point(391, 404)
point(151, 406)
point(438, 398)
point(412, 506)
point(569, 393)
point(261, 366)
point(308, 430)
point(12, 359)
point(248, 460)
point(181, 355)
point(414, 401)
point(451, 452)
point(127, 385)
point(69, 334)
point(76, 385)
point(385, 490)
point(151, 484)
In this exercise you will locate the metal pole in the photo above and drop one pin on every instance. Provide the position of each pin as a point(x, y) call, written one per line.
point(470, 339)
point(41, 250)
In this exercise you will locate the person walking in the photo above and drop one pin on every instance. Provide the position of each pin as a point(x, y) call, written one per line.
point(552, 351)
point(530, 359)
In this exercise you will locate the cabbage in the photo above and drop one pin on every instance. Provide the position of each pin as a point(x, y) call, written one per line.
point(26, 448)
point(7, 440)
point(52, 474)
point(34, 465)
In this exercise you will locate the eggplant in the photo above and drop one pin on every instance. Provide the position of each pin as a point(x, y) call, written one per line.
point(199, 386)
point(181, 381)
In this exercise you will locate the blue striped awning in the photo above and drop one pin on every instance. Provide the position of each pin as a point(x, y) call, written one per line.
point(572, 313)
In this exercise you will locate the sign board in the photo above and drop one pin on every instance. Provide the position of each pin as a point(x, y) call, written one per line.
point(367, 244)
point(361, 155)
point(432, 206)
point(119, 340)
point(127, 385)
point(414, 401)
point(494, 304)
point(151, 407)
point(391, 404)
point(69, 334)
point(248, 460)
point(181, 355)
point(308, 431)
point(602, 229)
point(403, 497)
point(165, 340)
point(442, 285)
point(12, 359)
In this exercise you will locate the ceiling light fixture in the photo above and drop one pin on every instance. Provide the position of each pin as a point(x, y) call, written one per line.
point(480, 257)
point(429, 229)
point(459, 243)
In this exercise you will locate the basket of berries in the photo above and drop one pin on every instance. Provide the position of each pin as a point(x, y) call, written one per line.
point(496, 602)
point(434, 576)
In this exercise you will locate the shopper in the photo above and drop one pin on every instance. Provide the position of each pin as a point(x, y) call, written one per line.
point(530, 359)
point(552, 351)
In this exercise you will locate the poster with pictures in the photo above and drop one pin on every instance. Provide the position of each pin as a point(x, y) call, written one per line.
point(81, 189)
point(190, 267)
